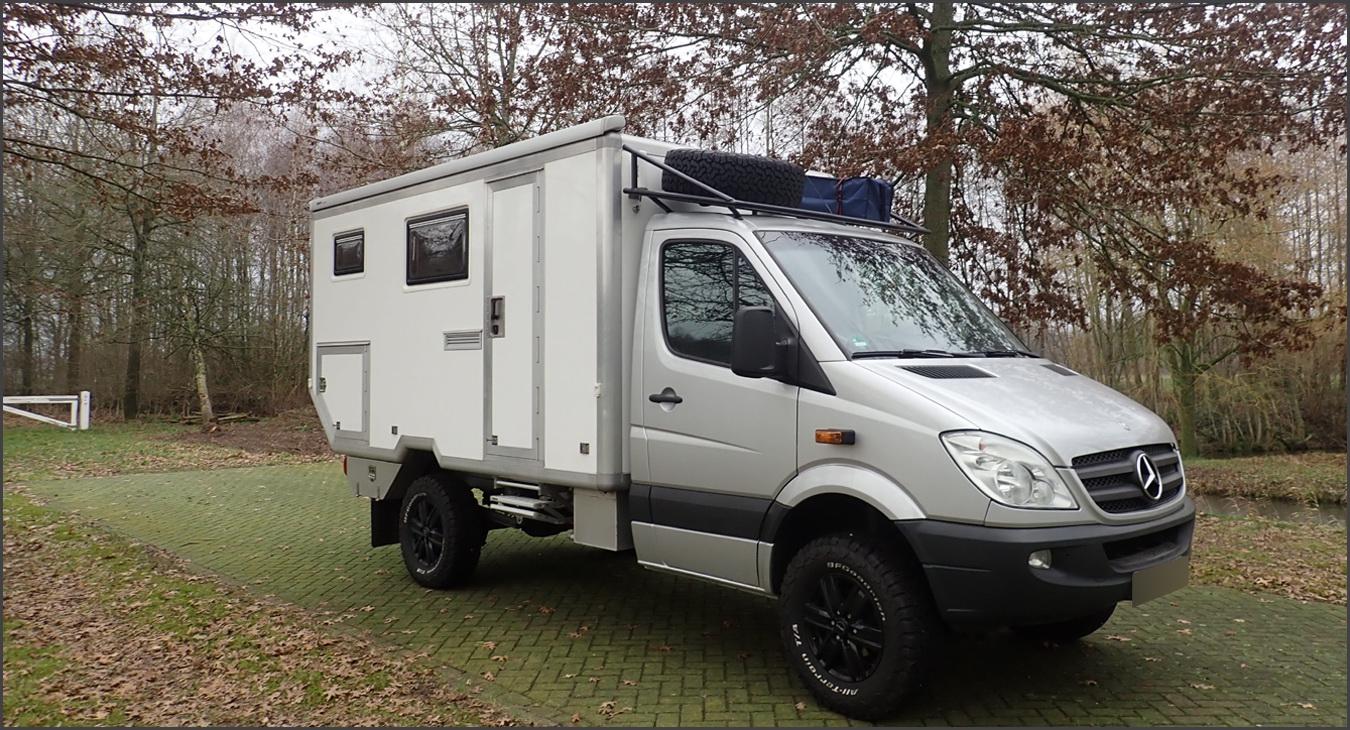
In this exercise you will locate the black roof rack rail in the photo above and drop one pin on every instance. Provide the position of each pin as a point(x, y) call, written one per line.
point(734, 206)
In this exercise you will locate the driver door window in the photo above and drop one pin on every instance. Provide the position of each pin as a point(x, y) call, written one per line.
point(702, 286)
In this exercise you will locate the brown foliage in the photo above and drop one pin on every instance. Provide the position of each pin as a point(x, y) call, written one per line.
point(146, 81)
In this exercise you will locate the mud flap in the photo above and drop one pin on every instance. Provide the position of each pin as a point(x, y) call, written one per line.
point(383, 522)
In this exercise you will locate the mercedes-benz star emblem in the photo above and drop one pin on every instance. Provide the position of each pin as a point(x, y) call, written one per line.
point(1147, 474)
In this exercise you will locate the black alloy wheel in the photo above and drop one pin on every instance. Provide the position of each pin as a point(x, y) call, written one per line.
point(844, 629)
point(858, 623)
point(441, 531)
point(428, 532)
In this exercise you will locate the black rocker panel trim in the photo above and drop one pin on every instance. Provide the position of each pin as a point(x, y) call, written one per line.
point(732, 515)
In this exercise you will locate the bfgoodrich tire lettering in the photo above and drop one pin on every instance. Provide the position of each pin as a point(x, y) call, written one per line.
point(441, 531)
point(857, 624)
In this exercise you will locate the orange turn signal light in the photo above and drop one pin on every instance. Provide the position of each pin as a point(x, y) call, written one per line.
point(836, 436)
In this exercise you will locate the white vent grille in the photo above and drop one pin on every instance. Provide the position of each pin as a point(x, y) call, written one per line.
point(464, 340)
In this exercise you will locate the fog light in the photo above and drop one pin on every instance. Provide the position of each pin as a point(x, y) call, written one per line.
point(1039, 559)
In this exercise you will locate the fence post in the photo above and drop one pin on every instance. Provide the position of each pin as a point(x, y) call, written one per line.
point(84, 410)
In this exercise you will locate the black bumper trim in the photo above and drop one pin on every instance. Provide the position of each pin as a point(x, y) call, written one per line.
point(979, 575)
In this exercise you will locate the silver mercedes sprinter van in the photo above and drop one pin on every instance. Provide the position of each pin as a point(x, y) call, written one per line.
point(667, 351)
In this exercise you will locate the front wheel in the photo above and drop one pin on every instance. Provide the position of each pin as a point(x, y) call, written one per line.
point(857, 624)
point(441, 531)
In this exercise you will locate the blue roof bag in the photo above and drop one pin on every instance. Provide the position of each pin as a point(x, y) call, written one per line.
point(858, 197)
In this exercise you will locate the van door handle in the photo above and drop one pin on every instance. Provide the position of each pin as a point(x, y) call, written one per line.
point(667, 395)
point(497, 317)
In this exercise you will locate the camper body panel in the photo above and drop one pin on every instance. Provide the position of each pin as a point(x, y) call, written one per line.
point(552, 246)
point(402, 328)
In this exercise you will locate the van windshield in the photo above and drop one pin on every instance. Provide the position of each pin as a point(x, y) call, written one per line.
point(888, 299)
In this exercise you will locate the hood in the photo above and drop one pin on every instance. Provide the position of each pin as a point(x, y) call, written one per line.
point(1057, 411)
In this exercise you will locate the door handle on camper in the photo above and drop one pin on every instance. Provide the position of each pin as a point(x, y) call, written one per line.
point(667, 395)
point(497, 317)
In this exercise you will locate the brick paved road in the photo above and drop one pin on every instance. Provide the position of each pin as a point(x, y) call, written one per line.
point(574, 627)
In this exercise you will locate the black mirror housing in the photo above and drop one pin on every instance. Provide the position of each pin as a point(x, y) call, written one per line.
point(755, 350)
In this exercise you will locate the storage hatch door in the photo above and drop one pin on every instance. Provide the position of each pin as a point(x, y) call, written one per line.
point(344, 387)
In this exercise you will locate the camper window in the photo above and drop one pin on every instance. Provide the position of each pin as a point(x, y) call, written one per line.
point(349, 253)
point(438, 248)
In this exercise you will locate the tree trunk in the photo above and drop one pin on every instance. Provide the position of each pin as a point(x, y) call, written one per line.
point(1184, 377)
point(938, 82)
point(203, 391)
point(191, 317)
point(26, 359)
point(1185, 385)
point(131, 395)
point(937, 210)
point(74, 344)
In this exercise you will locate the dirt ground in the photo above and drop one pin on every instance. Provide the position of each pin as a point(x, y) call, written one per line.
point(291, 432)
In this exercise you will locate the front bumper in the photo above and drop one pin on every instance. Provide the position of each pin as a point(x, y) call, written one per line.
point(980, 575)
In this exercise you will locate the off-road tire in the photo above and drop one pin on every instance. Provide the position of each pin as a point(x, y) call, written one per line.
point(436, 502)
point(750, 178)
point(893, 589)
point(1066, 632)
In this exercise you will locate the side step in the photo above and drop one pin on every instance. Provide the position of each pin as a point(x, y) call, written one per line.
point(527, 501)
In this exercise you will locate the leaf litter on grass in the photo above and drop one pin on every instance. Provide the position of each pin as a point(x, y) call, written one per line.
point(1306, 562)
point(137, 639)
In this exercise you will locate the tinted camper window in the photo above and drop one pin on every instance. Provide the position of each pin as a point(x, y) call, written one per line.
point(438, 248)
point(349, 253)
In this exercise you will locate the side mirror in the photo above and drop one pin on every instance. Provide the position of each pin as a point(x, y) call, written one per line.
point(755, 352)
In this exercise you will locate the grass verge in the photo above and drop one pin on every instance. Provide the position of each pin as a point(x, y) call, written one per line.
point(1301, 561)
point(33, 452)
point(99, 630)
point(1312, 478)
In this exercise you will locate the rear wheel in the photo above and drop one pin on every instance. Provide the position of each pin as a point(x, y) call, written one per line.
point(1065, 632)
point(441, 531)
point(857, 624)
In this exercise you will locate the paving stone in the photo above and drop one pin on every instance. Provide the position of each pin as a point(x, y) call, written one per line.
point(698, 652)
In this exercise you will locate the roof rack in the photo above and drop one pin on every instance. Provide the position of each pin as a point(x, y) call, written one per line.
point(735, 207)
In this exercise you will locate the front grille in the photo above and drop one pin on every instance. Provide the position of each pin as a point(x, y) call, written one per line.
point(1110, 480)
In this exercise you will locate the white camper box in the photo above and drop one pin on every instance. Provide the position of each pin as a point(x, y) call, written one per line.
point(552, 251)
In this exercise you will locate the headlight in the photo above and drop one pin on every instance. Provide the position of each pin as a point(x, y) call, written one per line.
point(1009, 472)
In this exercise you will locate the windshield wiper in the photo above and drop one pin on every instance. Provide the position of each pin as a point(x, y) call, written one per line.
point(1000, 353)
point(902, 353)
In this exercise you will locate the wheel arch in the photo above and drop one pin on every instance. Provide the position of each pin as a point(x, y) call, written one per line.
point(384, 512)
point(829, 498)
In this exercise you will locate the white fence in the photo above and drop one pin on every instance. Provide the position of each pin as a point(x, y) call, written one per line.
point(79, 408)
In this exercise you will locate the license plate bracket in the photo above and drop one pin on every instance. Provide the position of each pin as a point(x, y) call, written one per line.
point(1159, 580)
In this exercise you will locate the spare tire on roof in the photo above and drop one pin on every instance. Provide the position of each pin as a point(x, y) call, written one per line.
point(751, 178)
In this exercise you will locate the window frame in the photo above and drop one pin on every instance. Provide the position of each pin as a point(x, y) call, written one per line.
point(409, 278)
point(735, 292)
point(342, 237)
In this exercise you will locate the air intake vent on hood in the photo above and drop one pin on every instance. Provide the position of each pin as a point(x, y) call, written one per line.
point(947, 371)
point(1059, 369)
